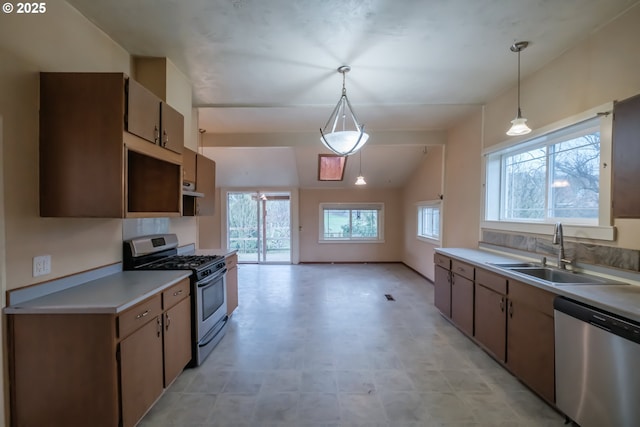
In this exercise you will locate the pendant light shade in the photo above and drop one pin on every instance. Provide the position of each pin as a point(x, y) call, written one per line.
point(343, 134)
point(519, 124)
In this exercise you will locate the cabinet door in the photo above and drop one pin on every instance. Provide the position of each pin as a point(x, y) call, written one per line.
point(462, 303)
point(491, 321)
point(206, 184)
point(172, 129)
point(530, 348)
point(177, 340)
point(189, 166)
point(442, 290)
point(626, 155)
point(143, 112)
point(232, 289)
point(141, 371)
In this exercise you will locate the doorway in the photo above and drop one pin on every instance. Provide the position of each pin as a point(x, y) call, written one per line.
point(259, 226)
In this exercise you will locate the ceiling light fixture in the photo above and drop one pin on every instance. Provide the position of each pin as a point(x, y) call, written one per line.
point(343, 134)
point(360, 180)
point(519, 124)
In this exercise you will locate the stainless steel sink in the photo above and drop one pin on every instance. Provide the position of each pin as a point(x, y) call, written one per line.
point(552, 276)
point(514, 264)
point(558, 277)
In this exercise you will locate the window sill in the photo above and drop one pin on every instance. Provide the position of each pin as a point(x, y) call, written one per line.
point(592, 232)
point(349, 241)
point(436, 242)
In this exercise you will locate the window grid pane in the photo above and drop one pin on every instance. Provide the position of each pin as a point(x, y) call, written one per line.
point(429, 222)
point(350, 224)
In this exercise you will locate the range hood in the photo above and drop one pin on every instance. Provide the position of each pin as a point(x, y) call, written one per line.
point(188, 189)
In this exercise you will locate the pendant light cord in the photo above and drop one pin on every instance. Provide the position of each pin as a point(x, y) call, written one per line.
point(519, 113)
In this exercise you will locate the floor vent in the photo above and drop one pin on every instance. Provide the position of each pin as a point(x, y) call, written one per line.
point(389, 297)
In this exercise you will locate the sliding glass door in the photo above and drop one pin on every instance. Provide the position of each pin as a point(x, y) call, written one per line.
point(259, 226)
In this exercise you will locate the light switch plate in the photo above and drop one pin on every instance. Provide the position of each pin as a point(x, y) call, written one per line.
point(41, 265)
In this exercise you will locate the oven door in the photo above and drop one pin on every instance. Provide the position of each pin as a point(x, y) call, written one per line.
point(211, 302)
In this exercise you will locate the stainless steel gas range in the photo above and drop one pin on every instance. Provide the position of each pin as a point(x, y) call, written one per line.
point(208, 285)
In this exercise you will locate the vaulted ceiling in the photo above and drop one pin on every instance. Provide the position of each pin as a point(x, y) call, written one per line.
point(268, 67)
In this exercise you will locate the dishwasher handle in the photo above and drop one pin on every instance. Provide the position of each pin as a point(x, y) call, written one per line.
point(614, 324)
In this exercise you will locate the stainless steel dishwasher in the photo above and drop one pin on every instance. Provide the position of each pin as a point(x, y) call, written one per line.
point(597, 366)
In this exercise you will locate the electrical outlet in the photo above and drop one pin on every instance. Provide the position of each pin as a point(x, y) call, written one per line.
point(41, 265)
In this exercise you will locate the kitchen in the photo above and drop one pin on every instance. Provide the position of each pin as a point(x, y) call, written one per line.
point(600, 68)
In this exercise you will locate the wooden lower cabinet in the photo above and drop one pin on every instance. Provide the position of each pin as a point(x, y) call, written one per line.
point(530, 338)
point(97, 369)
point(177, 340)
point(232, 283)
point(491, 321)
point(442, 290)
point(63, 370)
point(462, 303)
point(141, 372)
point(491, 313)
point(513, 321)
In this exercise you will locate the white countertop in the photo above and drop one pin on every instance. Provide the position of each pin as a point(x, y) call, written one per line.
point(621, 299)
point(110, 294)
point(222, 251)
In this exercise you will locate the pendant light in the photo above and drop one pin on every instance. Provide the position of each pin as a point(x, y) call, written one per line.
point(360, 180)
point(343, 134)
point(519, 124)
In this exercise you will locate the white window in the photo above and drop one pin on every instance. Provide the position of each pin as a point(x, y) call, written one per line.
point(558, 176)
point(429, 220)
point(349, 222)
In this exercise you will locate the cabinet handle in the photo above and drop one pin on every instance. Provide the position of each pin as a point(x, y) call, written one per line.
point(141, 315)
point(156, 134)
point(510, 308)
point(502, 304)
point(175, 294)
point(165, 138)
point(168, 321)
point(158, 326)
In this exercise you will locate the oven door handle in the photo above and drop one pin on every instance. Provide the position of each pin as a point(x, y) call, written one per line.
point(207, 280)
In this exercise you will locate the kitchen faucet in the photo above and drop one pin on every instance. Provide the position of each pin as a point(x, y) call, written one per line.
point(558, 239)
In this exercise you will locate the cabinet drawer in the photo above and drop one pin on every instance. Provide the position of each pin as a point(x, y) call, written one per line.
point(138, 315)
point(462, 269)
point(442, 261)
point(231, 261)
point(492, 281)
point(175, 294)
point(536, 298)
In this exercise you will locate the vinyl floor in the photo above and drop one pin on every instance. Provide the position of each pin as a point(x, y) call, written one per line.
point(319, 345)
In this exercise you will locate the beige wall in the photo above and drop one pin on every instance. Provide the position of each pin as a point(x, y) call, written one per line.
point(309, 214)
point(30, 45)
point(461, 205)
point(425, 184)
point(603, 68)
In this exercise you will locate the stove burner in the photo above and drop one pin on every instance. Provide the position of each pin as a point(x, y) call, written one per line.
point(183, 262)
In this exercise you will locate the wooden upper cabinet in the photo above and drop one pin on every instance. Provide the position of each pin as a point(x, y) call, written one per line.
point(172, 134)
point(189, 166)
point(205, 184)
point(626, 158)
point(143, 112)
point(90, 166)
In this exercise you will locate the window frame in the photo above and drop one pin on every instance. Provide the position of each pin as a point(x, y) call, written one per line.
point(602, 229)
point(420, 207)
point(377, 206)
